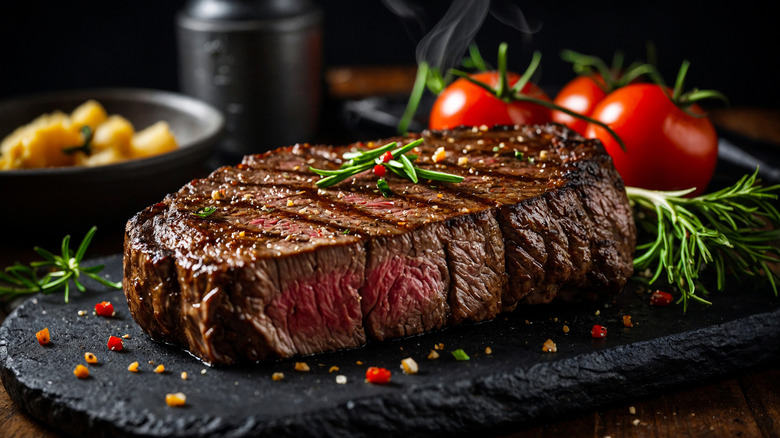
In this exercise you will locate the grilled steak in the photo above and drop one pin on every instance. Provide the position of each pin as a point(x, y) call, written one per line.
point(282, 268)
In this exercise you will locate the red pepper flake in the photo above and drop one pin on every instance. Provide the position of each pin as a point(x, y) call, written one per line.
point(387, 157)
point(598, 332)
point(379, 170)
point(660, 298)
point(378, 375)
point(43, 336)
point(115, 343)
point(105, 308)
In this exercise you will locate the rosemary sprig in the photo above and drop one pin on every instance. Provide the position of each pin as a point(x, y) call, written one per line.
point(390, 157)
point(730, 229)
point(20, 279)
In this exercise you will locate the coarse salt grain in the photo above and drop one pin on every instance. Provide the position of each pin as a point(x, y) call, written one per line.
point(341, 379)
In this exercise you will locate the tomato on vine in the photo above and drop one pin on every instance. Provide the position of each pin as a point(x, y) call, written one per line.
point(670, 144)
point(492, 98)
point(594, 81)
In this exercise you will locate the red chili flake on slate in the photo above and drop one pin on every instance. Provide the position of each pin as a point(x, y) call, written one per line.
point(660, 298)
point(115, 343)
point(104, 308)
point(387, 157)
point(598, 332)
point(379, 170)
point(377, 375)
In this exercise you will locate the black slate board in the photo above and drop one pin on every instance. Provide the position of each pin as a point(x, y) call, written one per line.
point(516, 383)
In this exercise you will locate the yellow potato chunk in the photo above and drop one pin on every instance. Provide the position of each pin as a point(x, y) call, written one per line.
point(40, 144)
point(115, 133)
point(89, 113)
point(100, 158)
point(154, 140)
point(45, 141)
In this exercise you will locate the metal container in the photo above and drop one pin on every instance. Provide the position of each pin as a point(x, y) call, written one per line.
point(260, 62)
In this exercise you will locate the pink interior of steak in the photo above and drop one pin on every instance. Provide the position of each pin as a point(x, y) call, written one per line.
point(283, 268)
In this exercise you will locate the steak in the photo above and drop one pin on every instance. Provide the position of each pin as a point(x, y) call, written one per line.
point(282, 268)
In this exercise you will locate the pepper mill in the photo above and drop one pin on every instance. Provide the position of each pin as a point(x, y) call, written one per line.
point(260, 63)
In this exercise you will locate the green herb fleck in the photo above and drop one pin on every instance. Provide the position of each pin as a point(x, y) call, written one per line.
point(459, 354)
point(86, 131)
point(204, 212)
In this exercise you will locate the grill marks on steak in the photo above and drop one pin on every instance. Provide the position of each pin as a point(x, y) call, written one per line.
point(283, 268)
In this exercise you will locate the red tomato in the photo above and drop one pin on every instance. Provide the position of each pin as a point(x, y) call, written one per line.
point(580, 95)
point(464, 103)
point(666, 148)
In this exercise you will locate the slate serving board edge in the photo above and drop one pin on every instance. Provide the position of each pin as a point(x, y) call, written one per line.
point(544, 390)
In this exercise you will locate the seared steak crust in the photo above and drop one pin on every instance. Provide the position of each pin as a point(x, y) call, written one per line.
point(282, 268)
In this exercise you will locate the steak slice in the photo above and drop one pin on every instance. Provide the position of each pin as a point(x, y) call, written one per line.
point(282, 268)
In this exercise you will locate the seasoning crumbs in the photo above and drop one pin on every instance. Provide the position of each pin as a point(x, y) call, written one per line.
point(488, 350)
point(627, 321)
point(176, 399)
point(43, 336)
point(549, 346)
point(81, 371)
point(333, 369)
point(302, 366)
point(277, 376)
point(133, 367)
point(409, 366)
point(90, 357)
point(433, 355)
point(184, 375)
point(159, 369)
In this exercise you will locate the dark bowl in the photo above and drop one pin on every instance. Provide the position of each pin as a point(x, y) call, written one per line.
point(58, 201)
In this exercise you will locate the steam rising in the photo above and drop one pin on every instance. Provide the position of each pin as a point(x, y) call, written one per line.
point(444, 45)
point(450, 38)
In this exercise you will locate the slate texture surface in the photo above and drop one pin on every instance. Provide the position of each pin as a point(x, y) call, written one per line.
point(516, 383)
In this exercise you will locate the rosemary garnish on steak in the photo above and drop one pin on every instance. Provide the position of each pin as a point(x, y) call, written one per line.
point(60, 270)
point(388, 157)
point(735, 229)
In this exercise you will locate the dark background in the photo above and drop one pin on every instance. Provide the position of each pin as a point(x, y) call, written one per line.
point(732, 47)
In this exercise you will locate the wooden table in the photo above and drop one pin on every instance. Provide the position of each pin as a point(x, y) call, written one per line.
point(745, 404)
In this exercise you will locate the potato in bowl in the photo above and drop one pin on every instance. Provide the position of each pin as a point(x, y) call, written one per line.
point(88, 136)
point(70, 199)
